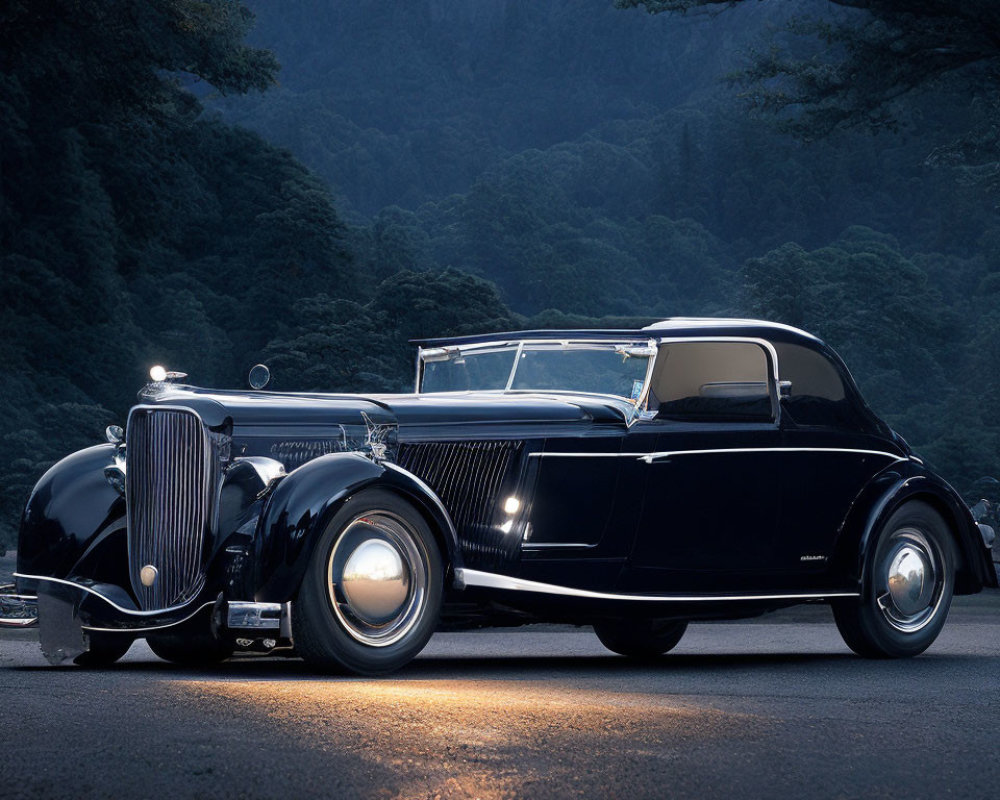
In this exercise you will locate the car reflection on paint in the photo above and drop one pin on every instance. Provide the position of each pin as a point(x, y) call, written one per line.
point(632, 480)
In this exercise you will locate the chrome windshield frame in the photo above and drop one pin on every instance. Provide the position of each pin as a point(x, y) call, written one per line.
point(518, 346)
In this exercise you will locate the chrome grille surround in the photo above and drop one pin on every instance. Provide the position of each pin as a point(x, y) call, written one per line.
point(171, 475)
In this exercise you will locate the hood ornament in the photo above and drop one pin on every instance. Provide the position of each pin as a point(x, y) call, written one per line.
point(160, 374)
point(159, 377)
point(378, 437)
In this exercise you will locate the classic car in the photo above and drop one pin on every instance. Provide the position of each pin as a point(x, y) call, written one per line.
point(631, 480)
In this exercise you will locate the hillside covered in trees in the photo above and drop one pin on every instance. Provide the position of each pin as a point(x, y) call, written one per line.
point(184, 184)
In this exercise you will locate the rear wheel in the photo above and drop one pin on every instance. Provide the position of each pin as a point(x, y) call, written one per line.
point(640, 638)
point(907, 590)
point(371, 596)
point(105, 648)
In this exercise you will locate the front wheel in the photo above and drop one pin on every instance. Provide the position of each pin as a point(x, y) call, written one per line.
point(193, 648)
point(371, 595)
point(907, 589)
point(640, 638)
point(105, 649)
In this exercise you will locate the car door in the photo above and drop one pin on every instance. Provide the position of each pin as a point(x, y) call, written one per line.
point(575, 536)
point(710, 464)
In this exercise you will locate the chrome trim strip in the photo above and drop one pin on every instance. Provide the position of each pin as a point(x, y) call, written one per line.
point(489, 580)
point(181, 621)
point(642, 402)
point(715, 322)
point(587, 455)
point(18, 623)
point(513, 367)
point(650, 457)
point(17, 610)
point(112, 603)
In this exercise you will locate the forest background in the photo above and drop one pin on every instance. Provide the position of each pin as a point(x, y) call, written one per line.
point(169, 194)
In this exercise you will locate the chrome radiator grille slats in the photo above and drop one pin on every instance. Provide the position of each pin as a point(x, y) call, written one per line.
point(170, 479)
point(469, 478)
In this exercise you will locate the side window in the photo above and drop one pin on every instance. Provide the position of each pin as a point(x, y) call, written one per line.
point(703, 381)
point(816, 395)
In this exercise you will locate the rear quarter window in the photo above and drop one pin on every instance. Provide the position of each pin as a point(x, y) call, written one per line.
point(816, 396)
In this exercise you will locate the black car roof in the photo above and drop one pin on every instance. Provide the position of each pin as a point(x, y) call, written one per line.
point(675, 326)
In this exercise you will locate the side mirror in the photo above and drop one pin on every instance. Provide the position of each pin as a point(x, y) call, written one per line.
point(784, 388)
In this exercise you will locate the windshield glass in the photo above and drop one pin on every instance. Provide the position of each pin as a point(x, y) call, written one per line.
point(617, 369)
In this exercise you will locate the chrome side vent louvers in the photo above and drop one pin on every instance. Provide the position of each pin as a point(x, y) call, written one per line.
point(171, 469)
point(469, 477)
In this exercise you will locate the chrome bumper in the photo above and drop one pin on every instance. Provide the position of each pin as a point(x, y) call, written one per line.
point(71, 612)
point(17, 610)
point(101, 607)
point(257, 616)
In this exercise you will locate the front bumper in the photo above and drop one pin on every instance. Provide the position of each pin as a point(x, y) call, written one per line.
point(90, 606)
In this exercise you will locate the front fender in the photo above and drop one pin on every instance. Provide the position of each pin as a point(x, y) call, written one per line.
point(889, 490)
point(69, 508)
point(299, 508)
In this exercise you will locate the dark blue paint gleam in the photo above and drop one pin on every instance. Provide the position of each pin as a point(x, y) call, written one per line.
point(694, 522)
point(910, 480)
point(69, 508)
point(300, 507)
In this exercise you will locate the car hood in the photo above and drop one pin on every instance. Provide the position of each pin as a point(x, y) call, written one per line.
point(406, 410)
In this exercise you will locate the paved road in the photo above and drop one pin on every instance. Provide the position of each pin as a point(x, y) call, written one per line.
point(771, 709)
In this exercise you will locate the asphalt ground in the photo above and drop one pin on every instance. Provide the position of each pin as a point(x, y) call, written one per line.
point(774, 708)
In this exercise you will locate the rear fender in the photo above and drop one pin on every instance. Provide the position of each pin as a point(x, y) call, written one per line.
point(300, 507)
point(888, 491)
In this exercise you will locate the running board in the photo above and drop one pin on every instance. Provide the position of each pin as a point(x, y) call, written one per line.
point(489, 580)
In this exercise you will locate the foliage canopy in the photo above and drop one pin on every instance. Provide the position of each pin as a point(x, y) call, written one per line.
point(576, 162)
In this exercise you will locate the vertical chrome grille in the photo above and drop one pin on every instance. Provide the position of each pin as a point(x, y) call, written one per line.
point(170, 478)
point(469, 478)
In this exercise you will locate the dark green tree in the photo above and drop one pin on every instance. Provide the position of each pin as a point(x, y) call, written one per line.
point(129, 222)
point(344, 346)
point(856, 63)
point(865, 298)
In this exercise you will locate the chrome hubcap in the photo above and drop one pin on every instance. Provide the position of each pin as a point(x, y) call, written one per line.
point(377, 576)
point(910, 582)
point(375, 581)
